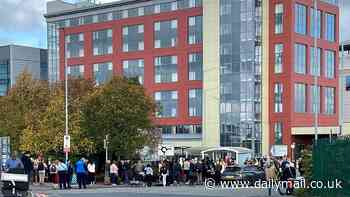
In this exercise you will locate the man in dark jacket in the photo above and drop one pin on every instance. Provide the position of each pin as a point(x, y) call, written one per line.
point(28, 165)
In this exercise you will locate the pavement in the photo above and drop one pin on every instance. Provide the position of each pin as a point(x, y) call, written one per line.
point(157, 191)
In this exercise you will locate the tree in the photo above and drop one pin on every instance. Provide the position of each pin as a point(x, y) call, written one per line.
point(45, 134)
point(122, 110)
point(24, 101)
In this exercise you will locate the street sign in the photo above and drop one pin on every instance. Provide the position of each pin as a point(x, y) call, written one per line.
point(279, 150)
point(166, 150)
point(66, 144)
point(4, 150)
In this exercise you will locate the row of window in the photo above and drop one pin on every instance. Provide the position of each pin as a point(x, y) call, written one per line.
point(133, 12)
point(181, 129)
point(301, 15)
point(165, 36)
point(300, 53)
point(168, 103)
point(165, 67)
point(4, 77)
point(300, 98)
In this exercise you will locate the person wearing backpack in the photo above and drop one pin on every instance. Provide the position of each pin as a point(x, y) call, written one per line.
point(41, 170)
point(53, 173)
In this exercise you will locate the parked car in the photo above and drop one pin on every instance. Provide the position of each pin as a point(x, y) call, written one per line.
point(246, 173)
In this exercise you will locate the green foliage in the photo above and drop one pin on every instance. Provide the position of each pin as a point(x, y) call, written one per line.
point(306, 162)
point(122, 110)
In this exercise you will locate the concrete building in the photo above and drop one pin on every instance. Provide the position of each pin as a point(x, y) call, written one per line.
point(225, 72)
point(16, 59)
point(344, 73)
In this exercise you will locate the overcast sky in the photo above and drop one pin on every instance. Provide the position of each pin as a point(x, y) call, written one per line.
point(22, 22)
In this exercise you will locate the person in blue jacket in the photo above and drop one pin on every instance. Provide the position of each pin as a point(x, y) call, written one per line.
point(81, 170)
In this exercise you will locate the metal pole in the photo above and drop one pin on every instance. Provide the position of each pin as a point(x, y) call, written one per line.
point(317, 92)
point(66, 87)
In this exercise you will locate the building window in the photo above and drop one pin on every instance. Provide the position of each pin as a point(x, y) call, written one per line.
point(278, 97)
point(347, 83)
point(134, 69)
point(4, 77)
point(330, 27)
point(133, 38)
point(165, 69)
point(195, 102)
point(278, 133)
point(279, 18)
point(278, 58)
point(165, 34)
point(300, 98)
point(329, 64)
point(195, 66)
point(315, 31)
point(334, 2)
point(195, 31)
point(300, 19)
point(315, 66)
point(329, 100)
point(103, 72)
point(167, 104)
point(315, 99)
point(75, 45)
point(102, 42)
point(300, 58)
point(76, 71)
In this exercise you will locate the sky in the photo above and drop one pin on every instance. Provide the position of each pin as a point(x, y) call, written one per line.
point(22, 22)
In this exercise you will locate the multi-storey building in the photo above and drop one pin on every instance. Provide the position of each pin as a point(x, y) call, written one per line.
point(344, 86)
point(293, 66)
point(16, 59)
point(209, 64)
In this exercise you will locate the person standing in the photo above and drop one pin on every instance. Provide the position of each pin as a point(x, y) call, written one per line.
point(28, 165)
point(199, 172)
point(164, 173)
point(35, 171)
point(186, 168)
point(92, 172)
point(62, 172)
point(149, 175)
point(13, 162)
point(53, 173)
point(177, 172)
point(41, 170)
point(70, 172)
point(114, 173)
point(80, 169)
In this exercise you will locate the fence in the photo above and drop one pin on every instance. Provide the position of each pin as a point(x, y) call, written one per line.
point(331, 162)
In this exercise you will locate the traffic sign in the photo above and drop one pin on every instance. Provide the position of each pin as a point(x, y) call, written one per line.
point(66, 146)
point(166, 150)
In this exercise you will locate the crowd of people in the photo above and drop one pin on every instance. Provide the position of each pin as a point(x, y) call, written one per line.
point(165, 172)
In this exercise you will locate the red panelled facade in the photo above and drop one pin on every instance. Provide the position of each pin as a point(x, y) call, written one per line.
point(181, 50)
point(288, 77)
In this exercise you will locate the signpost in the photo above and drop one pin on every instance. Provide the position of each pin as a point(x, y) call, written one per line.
point(166, 150)
point(279, 150)
point(5, 150)
point(66, 146)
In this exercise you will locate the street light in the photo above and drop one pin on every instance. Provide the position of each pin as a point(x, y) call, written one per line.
point(66, 94)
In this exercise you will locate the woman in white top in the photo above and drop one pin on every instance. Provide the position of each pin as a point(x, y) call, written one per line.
point(92, 172)
point(114, 173)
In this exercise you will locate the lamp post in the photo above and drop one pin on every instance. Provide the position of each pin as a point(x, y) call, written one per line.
point(317, 92)
point(66, 95)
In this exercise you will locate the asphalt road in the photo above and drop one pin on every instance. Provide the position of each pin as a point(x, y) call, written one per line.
point(183, 191)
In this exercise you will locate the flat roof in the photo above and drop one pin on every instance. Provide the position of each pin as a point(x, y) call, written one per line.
point(93, 7)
